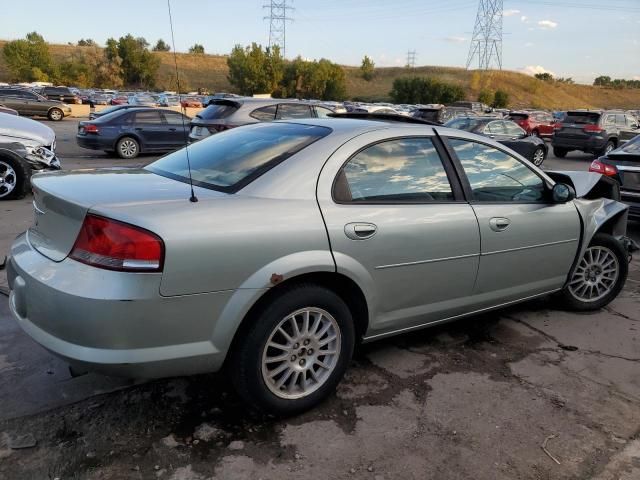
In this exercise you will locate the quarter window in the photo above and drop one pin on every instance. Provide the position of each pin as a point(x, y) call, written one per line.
point(495, 176)
point(403, 170)
point(287, 111)
point(175, 118)
point(264, 114)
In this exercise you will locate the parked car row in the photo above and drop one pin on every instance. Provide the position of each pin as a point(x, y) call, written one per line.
point(29, 103)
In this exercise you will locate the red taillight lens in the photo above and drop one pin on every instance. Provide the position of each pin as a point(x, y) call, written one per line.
point(593, 129)
point(90, 128)
point(114, 245)
point(598, 167)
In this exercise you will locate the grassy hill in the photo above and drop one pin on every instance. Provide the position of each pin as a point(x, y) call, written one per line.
point(210, 71)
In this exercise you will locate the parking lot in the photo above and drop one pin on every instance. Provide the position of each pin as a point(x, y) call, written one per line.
point(529, 392)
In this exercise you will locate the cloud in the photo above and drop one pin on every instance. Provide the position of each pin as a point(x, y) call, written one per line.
point(547, 24)
point(510, 12)
point(455, 39)
point(533, 69)
point(524, 18)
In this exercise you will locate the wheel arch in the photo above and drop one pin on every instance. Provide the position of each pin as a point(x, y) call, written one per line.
point(131, 135)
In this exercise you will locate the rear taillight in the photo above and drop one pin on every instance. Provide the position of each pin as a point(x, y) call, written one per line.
point(593, 128)
point(114, 245)
point(90, 128)
point(598, 167)
point(557, 126)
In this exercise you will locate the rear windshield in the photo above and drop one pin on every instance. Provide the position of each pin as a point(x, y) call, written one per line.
point(230, 160)
point(632, 146)
point(585, 118)
point(218, 110)
point(519, 116)
point(431, 115)
point(463, 123)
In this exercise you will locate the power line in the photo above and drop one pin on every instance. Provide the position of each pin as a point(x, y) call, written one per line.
point(411, 58)
point(278, 10)
point(486, 44)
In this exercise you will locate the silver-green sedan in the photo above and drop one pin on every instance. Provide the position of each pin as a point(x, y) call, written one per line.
point(300, 240)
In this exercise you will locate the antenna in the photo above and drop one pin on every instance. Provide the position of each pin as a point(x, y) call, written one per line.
point(486, 43)
point(193, 197)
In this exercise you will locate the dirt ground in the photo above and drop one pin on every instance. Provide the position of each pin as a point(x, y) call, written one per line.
point(530, 392)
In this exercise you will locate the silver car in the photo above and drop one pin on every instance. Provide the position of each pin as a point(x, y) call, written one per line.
point(300, 240)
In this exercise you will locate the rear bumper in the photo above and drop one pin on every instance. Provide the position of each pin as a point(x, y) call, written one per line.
point(591, 144)
point(112, 322)
point(93, 142)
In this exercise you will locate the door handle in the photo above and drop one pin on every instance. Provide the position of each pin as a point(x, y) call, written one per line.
point(172, 129)
point(499, 224)
point(360, 231)
point(138, 129)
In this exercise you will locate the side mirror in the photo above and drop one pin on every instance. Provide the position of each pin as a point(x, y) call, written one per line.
point(563, 193)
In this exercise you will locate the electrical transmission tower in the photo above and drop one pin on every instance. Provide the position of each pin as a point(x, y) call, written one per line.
point(411, 58)
point(486, 43)
point(278, 10)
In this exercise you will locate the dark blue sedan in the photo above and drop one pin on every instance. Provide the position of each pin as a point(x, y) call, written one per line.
point(135, 130)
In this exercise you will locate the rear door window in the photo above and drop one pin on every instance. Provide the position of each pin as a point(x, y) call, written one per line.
point(621, 120)
point(265, 114)
point(290, 110)
point(175, 118)
point(513, 130)
point(495, 128)
point(148, 117)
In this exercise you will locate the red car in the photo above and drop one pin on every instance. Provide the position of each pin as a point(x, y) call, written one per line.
point(120, 100)
point(192, 102)
point(539, 124)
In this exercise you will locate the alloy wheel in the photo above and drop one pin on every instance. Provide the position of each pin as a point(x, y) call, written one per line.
point(301, 353)
point(596, 274)
point(55, 115)
point(8, 179)
point(610, 147)
point(538, 157)
point(128, 148)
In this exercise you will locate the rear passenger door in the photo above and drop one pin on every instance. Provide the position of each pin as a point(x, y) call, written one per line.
point(528, 242)
point(177, 129)
point(398, 225)
point(149, 126)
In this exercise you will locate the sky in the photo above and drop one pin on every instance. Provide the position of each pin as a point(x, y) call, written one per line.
point(568, 38)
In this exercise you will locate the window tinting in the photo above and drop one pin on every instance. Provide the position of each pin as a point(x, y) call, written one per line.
point(289, 110)
point(495, 128)
point(229, 160)
point(632, 146)
point(408, 170)
point(464, 123)
point(585, 118)
point(148, 117)
point(265, 114)
point(175, 118)
point(219, 109)
point(495, 176)
point(513, 129)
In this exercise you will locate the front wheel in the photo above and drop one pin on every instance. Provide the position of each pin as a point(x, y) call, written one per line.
point(538, 156)
point(295, 352)
point(599, 275)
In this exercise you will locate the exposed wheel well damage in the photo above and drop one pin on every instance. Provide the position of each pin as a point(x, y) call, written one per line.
point(342, 285)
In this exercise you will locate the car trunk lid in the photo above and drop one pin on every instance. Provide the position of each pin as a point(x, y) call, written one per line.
point(61, 201)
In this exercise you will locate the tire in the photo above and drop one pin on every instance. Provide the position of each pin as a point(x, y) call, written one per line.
point(538, 156)
point(127, 148)
point(607, 148)
point(14, 178)
point(560, 152)
point(256, 379)
point(603, 254)
point(55, 115)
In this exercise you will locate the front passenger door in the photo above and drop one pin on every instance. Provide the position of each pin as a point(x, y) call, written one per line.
point(528, 243)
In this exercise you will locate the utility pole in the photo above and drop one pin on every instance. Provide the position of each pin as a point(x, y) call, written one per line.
point(486, 44)
point(411, 58)
point(278, 18)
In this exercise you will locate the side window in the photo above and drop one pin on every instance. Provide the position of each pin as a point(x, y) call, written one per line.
point(403, 170)
point(495, 176)
point(609, 119)
point(495, 128)
point(631, 121)
point(264, 114)
point(513, 130)
point(30, 96)
point(174, 118)
point(290, 110)
point(620, 120)
point(148, 117)
point(322, 112)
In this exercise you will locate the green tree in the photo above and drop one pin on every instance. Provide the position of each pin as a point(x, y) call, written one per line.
point(425, 90)
point(86, 43)
point(161, 46)
point(545, 77)
point(602, 81)
point(254, 69)
point(367, 68)
point(500, 99)
point(28, 59)
point(197, 49)
point(486, 97)
point(139, 65)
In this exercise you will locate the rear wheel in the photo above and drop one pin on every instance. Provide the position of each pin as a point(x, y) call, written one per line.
point(608, 148)
point(560, 152)
point(295, 352)
point(127, 147)
point(599, 275)
point(55, 115)
point(14, 178)
point(538, 156)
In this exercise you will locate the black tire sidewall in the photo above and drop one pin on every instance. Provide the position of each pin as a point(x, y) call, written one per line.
point(23, 175)
point(246, 366)
point(560, 152)
point(604, 240)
